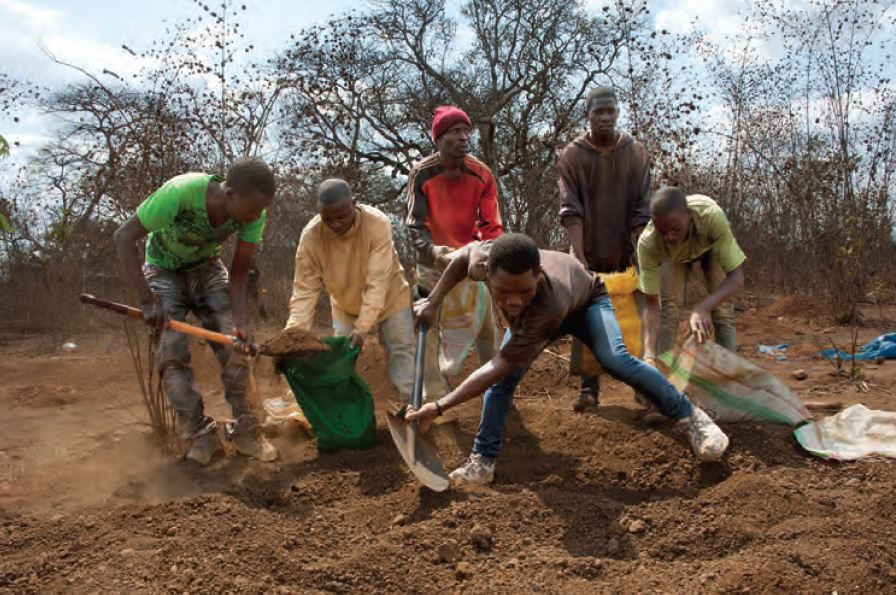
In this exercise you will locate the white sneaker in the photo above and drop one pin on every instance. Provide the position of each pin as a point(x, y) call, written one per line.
point(707, 439)
point(476, 469)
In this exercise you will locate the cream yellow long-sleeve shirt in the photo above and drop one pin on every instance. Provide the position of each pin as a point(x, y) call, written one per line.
point(360, 270)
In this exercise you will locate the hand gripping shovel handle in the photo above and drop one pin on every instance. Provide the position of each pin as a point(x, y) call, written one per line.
point(175, 325)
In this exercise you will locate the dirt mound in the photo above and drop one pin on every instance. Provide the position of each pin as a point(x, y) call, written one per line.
point(617, 509)
point(293, 342)
point(592, 502)
point(792, 305)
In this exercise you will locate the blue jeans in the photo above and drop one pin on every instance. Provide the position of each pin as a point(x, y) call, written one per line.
point(596, 327)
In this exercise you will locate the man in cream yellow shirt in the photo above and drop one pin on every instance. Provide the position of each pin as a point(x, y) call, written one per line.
point(348, 250)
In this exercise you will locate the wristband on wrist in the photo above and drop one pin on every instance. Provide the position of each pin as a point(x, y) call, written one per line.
point(438, 407)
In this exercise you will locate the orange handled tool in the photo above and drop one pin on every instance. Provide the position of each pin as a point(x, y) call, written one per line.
point(183, 327)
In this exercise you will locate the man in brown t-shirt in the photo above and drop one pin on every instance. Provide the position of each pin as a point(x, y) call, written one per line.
point(544, 295)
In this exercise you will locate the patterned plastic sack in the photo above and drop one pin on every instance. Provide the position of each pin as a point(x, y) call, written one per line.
point(728, 387)
point(460, 320)
point(284, 417)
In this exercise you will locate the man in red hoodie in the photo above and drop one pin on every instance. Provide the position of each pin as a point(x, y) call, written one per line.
point(604, 181)
point(452, 201)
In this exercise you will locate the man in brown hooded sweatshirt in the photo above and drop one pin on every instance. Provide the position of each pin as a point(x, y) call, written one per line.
point(604, 180)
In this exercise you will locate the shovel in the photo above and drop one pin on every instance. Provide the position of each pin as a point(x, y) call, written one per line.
point(291, 343)
point(183, 327)
point(418, 452)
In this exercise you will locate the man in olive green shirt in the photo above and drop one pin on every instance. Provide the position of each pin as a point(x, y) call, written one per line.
point(684, 231)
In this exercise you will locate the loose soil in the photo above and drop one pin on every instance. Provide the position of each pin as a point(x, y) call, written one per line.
point(791, 305)
point(592, 502)
point(293, 342)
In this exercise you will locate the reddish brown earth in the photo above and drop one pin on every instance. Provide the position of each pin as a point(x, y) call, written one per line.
point(582, 503)
point(293, 342)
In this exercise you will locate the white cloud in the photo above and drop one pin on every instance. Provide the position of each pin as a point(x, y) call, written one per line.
point(725, 23)
point(465, 37)
point(25, 28)
point(26, 137)
point(25, 144)
point(34, 16)
point(720, 18)
point(677, 16)
point(595, 5)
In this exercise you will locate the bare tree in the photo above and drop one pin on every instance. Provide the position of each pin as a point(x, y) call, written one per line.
point(361, 89)
point(809, 139)
point(797, 142)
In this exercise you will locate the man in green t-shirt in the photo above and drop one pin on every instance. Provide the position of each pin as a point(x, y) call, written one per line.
point(186, 220)
point(684, 231)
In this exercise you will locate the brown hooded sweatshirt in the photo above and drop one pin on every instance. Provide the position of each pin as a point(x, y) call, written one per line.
point(608, 191)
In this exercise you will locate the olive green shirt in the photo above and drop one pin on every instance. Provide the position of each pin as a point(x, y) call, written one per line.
point(709, 230)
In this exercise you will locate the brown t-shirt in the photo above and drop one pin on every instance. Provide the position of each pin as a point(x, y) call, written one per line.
point(565, 288)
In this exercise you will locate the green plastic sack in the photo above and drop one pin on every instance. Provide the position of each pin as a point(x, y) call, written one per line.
point(336, 401)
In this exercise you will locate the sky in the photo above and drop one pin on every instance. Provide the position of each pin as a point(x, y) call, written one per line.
point(89, 33)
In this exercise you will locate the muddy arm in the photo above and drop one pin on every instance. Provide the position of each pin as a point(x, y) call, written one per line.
point(651, 326)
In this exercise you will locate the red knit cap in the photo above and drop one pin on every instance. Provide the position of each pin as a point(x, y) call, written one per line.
point(447, 116)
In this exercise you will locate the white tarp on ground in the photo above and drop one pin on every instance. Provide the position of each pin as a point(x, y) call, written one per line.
point(854, 433)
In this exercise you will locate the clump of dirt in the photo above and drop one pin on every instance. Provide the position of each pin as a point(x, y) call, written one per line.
point(293, 342)
point(791, 305)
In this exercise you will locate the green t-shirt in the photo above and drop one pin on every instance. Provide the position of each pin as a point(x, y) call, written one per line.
point(181, 236)
point(709, 230)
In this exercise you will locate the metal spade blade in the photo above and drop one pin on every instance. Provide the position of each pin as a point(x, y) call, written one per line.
point(417, 451)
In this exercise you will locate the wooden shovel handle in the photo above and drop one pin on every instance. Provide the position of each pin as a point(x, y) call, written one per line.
point(183, 327)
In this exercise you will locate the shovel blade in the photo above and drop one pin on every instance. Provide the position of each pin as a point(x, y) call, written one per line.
point(419, 454)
